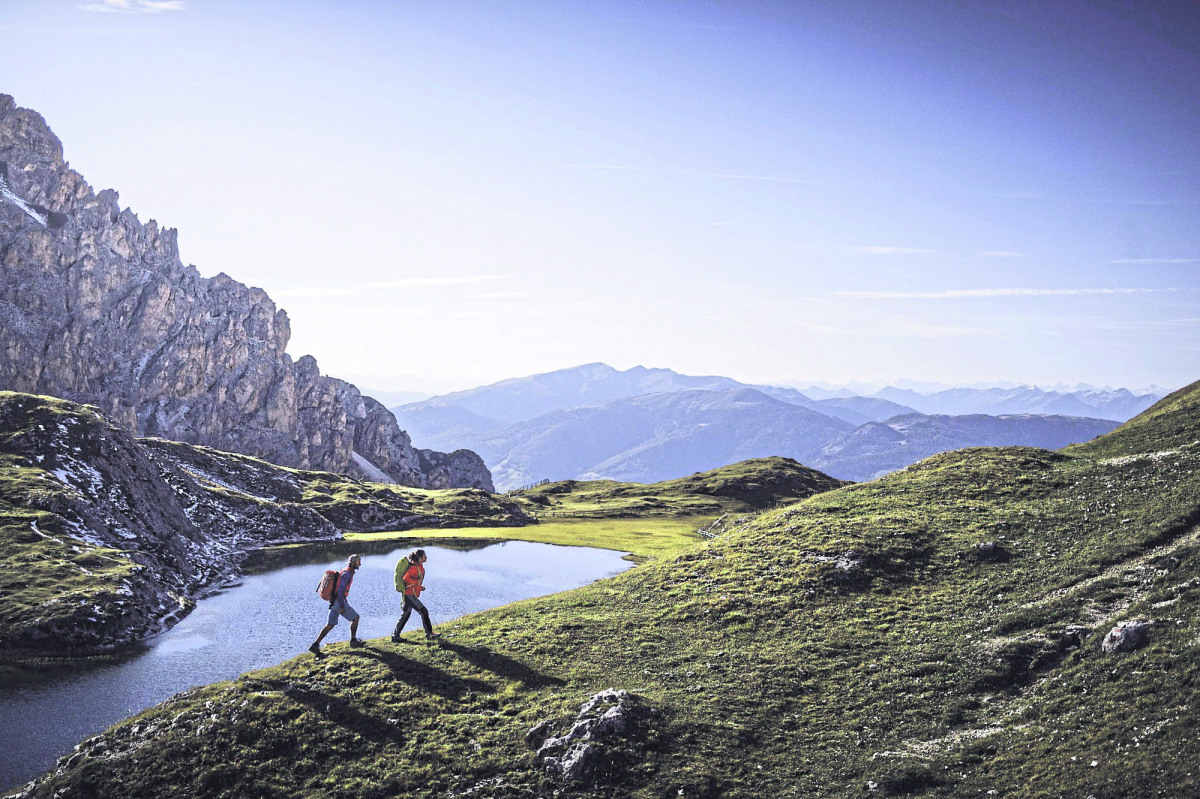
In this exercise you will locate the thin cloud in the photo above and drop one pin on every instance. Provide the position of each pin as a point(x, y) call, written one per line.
point(955, 294)
point(135, 6)
point(1149, 261)
point(936, 331)
point(891, 250)
point(688, 173)
point(1002, 254)
point(422, 282)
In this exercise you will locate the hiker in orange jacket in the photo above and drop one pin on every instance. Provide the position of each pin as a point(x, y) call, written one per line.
point(414, 583)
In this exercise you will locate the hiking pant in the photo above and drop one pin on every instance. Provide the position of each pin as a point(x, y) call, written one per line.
point(411, 602)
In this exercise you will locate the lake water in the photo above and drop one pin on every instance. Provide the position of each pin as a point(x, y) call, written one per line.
point(271, 617)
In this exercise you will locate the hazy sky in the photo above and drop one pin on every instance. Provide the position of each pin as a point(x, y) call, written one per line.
point(443, 194)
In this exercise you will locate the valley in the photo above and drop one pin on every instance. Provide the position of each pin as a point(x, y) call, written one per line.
point(941, 631)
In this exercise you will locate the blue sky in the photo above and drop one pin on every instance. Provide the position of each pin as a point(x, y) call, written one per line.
point(444, 194)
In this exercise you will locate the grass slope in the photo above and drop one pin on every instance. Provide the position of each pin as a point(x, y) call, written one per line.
point(748, 485)
point(857, 643)
point(644, 539)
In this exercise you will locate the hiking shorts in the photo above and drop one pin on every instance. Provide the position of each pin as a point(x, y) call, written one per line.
point(341, 609)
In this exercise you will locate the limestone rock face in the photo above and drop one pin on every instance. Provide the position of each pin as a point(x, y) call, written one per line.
point(98, 493)
point(100, 309)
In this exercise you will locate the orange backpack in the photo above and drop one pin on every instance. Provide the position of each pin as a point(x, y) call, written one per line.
point(327, 588)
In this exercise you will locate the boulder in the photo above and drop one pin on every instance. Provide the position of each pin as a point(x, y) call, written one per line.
point(1126, 637)
point(595, 742)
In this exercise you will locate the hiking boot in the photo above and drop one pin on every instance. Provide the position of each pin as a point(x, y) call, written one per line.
point(316, 650)
point(433, 636)
point(396, 639)
point(357, 642)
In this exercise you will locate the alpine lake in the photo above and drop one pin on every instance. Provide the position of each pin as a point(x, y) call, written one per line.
point(273, 614)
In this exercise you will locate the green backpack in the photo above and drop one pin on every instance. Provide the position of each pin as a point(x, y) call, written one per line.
point(401, 567)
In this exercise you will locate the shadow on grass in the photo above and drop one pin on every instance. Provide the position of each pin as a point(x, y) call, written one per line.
point(483, 658)
point(337, 710)
point(421, 676)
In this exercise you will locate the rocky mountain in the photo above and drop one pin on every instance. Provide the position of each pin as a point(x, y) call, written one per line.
point(876, 448)
point(1118, 405)
point(97, 307)
point(104, 537)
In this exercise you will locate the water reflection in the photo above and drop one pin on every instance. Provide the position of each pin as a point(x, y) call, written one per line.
point(271, 616)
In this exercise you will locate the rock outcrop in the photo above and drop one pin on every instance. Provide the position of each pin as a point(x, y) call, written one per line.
point(595, 746)
point(1127, 636)
point(96, 307)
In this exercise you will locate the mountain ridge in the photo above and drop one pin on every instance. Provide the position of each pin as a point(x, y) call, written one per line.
point(101, 310)
point(617, 438)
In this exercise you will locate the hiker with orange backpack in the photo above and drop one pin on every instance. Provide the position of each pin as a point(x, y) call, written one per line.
point(338, 606)
point(410, 579)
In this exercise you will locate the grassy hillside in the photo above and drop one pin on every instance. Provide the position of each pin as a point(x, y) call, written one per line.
point(649, 521)
point(346, 503)
point(933, 633)
point(748, 485)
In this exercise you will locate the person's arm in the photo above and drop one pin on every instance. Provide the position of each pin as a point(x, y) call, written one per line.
point(412, 580)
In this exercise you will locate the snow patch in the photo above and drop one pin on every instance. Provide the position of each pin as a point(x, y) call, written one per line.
point(74, 474)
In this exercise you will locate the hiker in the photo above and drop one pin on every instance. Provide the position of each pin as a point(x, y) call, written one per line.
point(411, 582)
point(338, 606)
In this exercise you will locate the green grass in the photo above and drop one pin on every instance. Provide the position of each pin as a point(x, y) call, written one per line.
point(852, 644)
point(48, 578)
point(744, 486)
point(652, 537)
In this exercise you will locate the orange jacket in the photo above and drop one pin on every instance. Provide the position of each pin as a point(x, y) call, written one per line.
point(413, 579)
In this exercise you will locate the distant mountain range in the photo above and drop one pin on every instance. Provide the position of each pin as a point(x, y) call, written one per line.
point(876, 448)
point(645, 425)
point(1119, 405)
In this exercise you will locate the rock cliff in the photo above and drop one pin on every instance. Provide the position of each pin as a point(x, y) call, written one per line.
point(97, 307)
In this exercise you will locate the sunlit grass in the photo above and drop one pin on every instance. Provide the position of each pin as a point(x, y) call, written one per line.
point(652, 537)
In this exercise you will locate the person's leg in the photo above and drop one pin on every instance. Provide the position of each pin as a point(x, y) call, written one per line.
point(354, 628)
point(331, 622)
point(324, 632)
point(420, 606)
point(403, 616)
